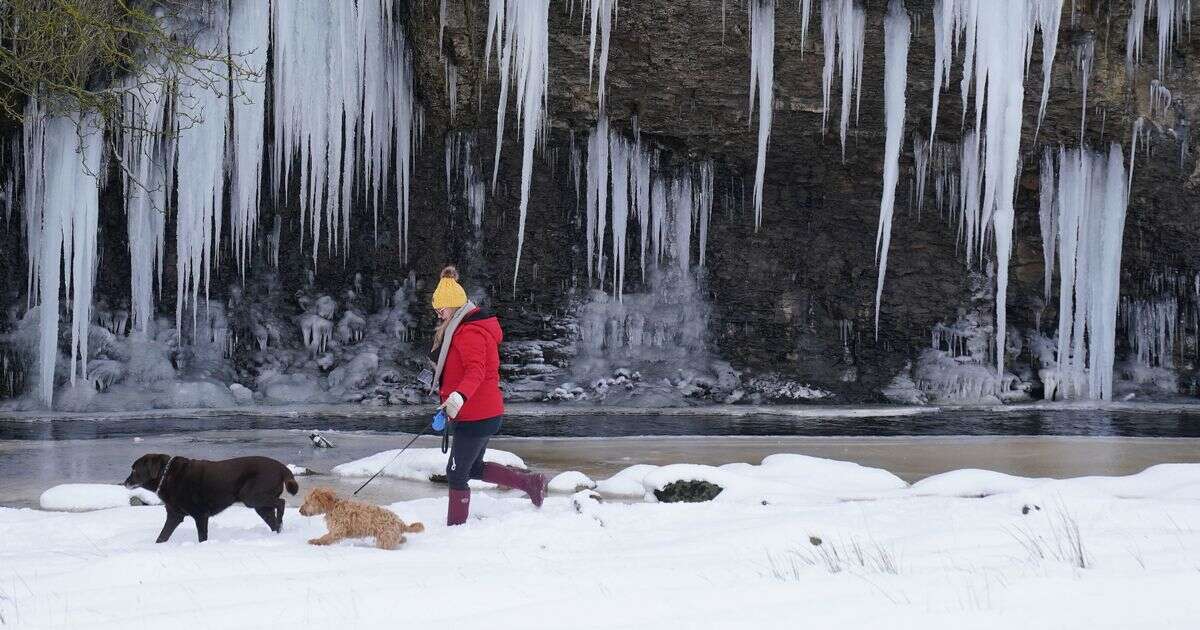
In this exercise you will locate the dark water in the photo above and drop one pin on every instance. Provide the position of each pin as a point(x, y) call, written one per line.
point(1072, 422)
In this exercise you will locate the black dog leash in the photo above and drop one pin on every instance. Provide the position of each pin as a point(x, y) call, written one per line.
point(410, 443)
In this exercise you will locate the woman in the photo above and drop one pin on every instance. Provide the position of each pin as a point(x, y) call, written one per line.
point(466, 351)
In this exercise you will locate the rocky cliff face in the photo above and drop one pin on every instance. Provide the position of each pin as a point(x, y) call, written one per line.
point(791, 302)
point(782, 295)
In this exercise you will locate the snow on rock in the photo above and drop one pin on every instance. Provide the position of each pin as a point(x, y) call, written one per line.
point(356, 373)
point(78, 497)
point(779, 478)
point(970, 482)
point(570, 482)
point(241, 393)
point(626, 483)
point(416, 464)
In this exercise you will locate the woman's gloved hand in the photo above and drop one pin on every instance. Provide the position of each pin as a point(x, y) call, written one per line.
point(453, 404)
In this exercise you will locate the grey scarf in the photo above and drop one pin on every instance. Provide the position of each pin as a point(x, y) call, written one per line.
point(459, 315)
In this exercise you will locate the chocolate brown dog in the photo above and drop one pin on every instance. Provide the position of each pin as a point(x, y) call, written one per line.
point(201, 489)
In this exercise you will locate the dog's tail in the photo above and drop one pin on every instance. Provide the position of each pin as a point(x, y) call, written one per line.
point(291, 486)
point(414, 528)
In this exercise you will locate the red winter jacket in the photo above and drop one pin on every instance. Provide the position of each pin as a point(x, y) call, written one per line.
point(473, 367)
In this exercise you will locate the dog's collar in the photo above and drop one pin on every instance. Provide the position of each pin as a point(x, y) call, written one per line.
point(162, 479)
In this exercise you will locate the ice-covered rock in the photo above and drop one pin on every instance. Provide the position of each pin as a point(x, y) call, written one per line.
point(103, 373)
point(357, 373)
point(292, 388)
point(351, 327)
point(241, 393)
point(326, 307)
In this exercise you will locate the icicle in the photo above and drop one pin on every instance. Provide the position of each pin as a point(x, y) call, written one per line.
point(1137, 130)
point(33, 139)
point(762, 82)
point(522, 34)
point(597, 197)
point(1084, 55)
point(705, 203)
point(1160, 99)
point(1047, 217)
point(943, 32)
point(805, 15)
point(1049, 15)
point(642, 185)
point(970, 188)
point(658, 220)
point(896, 35)
point(683, 208)
point(602, 12)
point(921, 166)
point(460, 165)
point(441, 24)
point(576, 172)
point(249, 23)
point(619, 158)
point(451, 86)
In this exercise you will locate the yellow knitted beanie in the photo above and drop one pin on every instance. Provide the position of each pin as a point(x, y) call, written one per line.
point(449, 293)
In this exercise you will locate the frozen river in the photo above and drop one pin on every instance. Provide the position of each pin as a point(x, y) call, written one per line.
point(1050, 443)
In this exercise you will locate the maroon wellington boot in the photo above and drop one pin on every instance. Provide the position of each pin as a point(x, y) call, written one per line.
point(530, 483)
point(459, 507)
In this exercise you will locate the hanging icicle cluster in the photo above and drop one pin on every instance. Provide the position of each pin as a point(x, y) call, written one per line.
point(519, 31)
point(343, 92)
point(198, 132)
point(669, 206)
point(62, 206)
point(994, 34)
point(842, 27)
point(1150, 327)
point(1090, 203)
point(462, 169)
point(1172, 17)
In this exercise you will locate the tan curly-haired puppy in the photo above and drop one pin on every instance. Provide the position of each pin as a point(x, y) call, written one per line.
point(354, 519)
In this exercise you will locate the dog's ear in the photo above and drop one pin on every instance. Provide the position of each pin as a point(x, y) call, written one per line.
point(154, 463)
point(324, 497)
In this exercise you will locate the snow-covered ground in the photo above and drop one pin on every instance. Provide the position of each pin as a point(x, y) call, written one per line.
point(803, 542)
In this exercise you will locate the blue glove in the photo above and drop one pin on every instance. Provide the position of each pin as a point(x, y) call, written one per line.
point(439, 420)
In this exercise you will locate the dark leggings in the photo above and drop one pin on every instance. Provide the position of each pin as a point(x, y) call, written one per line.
point(466, 451)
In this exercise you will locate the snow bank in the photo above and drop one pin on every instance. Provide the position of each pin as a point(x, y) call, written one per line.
point(417, 464)
point(1180, 481)
point(79, 497)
